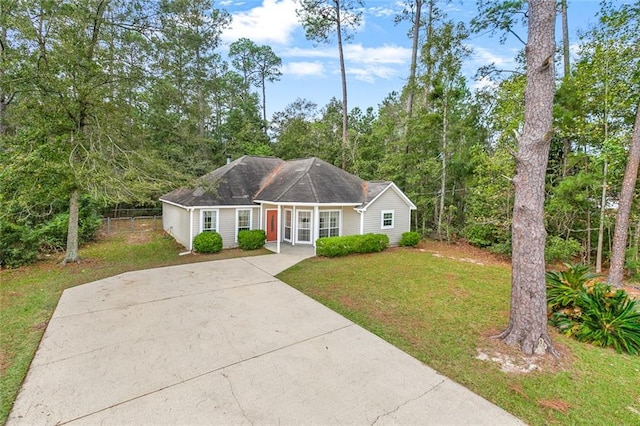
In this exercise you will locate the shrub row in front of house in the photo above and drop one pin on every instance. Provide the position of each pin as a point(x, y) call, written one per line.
point(342, 246)
point(211, 242)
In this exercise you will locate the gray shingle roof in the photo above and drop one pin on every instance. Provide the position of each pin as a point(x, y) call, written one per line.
point(309, 180)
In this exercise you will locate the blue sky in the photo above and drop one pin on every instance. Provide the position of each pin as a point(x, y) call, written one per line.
point(378, 56)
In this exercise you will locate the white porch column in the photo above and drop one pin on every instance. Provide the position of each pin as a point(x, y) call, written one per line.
point(294, 226)
point(315, 229)
point(279, 222)
point(191, 229)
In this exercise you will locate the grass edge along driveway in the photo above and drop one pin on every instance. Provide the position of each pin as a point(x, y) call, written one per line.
point(443, 311)
point(29, 295)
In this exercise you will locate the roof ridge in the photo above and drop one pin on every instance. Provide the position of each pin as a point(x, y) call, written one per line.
point(311, 185)
point(295, 182)
point(270, 178)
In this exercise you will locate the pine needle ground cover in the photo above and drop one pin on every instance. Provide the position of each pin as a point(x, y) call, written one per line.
point(29, 295)
point(442, 310)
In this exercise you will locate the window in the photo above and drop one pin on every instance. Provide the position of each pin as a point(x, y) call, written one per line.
point(304, 226)
point(329, 225)
point(209, 220)
point(243, 220)
point(287, 225)
point(387, 219)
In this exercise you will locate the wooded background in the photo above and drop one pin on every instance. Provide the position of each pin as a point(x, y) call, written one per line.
point(113, 102)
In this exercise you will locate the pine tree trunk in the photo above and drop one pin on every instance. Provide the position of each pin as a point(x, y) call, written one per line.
point(603, 207)
point(443, 176)
point(343, 73)
point(528, 314)
point(72, 231)
point(616, 271)
point(414, 59)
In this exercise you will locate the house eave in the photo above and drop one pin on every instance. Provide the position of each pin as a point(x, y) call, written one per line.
point(397, 190)
point(301, 204)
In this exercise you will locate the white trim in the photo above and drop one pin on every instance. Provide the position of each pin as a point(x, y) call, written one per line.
point(397, 190)
point(176, 204)
point(297, 219)
point(361, 221)
point(217, 227)
point(393, 219)
point(278, 230)
point(238, 210)
point(315, 232)
point(191, 236)
point(288, 203)
point(227, 206)
point(284, 224)
point(340, 214)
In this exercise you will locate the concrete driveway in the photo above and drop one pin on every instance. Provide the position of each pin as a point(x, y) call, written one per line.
point(225, 342)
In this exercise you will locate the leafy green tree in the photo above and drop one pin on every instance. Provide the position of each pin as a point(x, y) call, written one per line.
point(321, 19)
point(186, 77)
point(292, 130)
point(257, 64)
point(73, 125)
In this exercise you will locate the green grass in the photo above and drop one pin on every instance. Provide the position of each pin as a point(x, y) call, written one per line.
point(437, 309)
point(441, 311)
point(29, 295)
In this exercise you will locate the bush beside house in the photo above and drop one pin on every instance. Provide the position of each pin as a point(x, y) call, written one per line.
point(251, 240)
point(342, 246)
point(207, 242)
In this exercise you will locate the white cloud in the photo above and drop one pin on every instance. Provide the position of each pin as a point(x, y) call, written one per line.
point(356, 53)
point(303, 69)
point(377, 55)
point(270, 23)
point(370, 74)
point(381, 12)
point(483, 56)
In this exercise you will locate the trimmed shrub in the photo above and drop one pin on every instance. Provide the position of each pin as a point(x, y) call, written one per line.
point(251, 240)
point(342, 246)
point(593, 311)
point(207, 242)
point(409, 239)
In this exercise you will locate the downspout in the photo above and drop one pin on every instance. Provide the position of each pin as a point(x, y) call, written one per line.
point(191, 228)
point(361, 221)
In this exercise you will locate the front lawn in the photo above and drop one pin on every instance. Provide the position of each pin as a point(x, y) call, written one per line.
point(442, 308)
point(29, 295)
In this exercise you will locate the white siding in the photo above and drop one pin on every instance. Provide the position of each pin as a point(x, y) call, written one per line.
point(389, 200)
point(227, 223)
point(175, 221)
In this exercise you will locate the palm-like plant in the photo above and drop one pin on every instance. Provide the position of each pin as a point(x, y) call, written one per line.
point(593, 311)
point(565, 287)
point(610, 318)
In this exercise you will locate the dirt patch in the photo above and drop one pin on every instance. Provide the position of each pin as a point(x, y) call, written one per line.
point(511, 360)
point(463, 252)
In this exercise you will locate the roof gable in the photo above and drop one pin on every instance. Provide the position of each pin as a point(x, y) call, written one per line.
point(312, 180)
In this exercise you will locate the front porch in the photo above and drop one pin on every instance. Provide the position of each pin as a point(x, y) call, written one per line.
point(306, 250)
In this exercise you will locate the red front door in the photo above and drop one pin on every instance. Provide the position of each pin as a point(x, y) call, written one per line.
point(272, 225)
